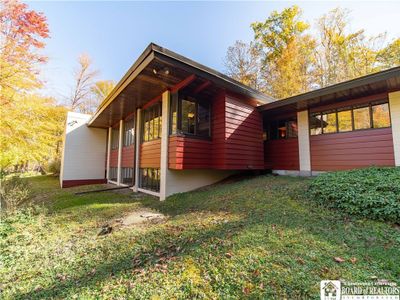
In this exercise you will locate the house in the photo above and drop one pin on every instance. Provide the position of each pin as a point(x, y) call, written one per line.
point(173, 125)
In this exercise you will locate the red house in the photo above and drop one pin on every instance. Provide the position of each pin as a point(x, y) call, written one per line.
point(172, 125)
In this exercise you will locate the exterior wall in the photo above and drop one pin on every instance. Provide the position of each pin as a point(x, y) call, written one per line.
point(150, 154)
point(394, 102)
point(84, 152)
point(282, 154)
point(354, 149)
point(128, 156)
point(349, 150)
point(237, 134)
point(180, 181)
point(189, 153)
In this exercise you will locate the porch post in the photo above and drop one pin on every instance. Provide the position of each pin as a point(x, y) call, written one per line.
point(108, 151)
point(304, 143)
point(120, 140)
point(138, 138)
point(394, 104)
point(164, 143)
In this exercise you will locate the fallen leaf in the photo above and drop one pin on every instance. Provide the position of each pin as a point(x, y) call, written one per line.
point(228, 255)
point(339, 259)
point(353, 260)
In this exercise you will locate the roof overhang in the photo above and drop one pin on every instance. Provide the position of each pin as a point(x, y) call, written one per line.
point(376, 83)
point(155, 71)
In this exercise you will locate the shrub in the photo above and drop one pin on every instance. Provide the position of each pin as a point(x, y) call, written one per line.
point(372, 192)
point(54, 167)
point(13, 192)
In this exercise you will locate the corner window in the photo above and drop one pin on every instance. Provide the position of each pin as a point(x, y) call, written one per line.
point(151, 129)
point(190, 116)
point(282, 129)
point(129, 132)
point(315, 124)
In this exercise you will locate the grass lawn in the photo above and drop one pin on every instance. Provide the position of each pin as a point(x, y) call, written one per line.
point(258, 238)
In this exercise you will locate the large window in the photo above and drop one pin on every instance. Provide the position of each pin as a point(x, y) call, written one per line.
point(282, 129)
point(113, 174)
point(190, 116)
point(127, 175)
point(129, 132)
point(151, 129)
point(372, 115)
point(150, 179)
point(115, 138)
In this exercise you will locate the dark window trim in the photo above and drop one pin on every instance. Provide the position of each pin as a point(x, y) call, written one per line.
point(351, 108)
point(178, 103)
point(149, 114)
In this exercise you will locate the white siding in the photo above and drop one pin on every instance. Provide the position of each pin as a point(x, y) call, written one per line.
point(304, 141)
point(84, 150)
point(394, 102)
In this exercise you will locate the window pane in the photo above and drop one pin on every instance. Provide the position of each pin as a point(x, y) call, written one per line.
point(380, 115)
point(345, 122)
point(188, 116)
point(115, 138)
point(203, 119)
point(315, 124)
point(156, 127)
point(128, 132)
point(292, 129)
point(329, 123)
point(361, 118)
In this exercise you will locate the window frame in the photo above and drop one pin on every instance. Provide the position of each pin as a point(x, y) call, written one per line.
point(129, 134)
point(270, 136)
point(176, 100)
point(148, 116)
point(351, 108)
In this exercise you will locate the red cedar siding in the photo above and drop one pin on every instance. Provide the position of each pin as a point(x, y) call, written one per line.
point(218, 131)
point(349, 150)
point(282, 154)
point(114, 158)
point(128, 156)
point(243, 147)
point(150, 154)
point(189, 153)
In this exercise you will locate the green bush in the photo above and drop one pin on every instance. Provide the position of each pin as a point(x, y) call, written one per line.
point(13, 192)
point(54, 167)
point(373, 192)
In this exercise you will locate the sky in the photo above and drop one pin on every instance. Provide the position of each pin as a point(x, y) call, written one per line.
point(114, 34)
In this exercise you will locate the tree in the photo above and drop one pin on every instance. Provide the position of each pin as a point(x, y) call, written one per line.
point(81, 98)
point(342, 55)
point(389, 56)
point(286, 52)
point(22, 34)
point(101, 89)
point(243, 63)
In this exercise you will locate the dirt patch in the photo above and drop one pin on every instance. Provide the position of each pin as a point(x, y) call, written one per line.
point(143, 216)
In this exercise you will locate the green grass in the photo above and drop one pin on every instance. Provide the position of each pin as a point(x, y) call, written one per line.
point(255, 239)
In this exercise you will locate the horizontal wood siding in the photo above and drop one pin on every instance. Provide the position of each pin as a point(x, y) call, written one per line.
point(218, 131)
point(282, 154)
point(189, 153)
point(243, 147)
point(114, 158)
point(150, 154)
point(128, 156)
point(349, 150)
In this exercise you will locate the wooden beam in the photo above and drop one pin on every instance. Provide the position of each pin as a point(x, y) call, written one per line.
point(183, 83)
point(202, 87)
point(152, 101)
